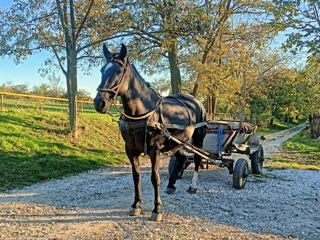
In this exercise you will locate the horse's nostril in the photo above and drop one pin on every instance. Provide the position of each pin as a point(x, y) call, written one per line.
point(98, 103)
point(103, 104)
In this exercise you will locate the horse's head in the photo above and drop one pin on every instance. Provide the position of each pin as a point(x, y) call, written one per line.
point(113, 79)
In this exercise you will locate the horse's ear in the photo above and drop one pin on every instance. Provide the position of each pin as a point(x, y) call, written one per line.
point(123, 52)
point(106, 52)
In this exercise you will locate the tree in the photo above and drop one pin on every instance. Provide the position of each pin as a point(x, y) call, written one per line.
point(218, 18)
point(56, 89)
point(43, 89)
point(303, 17)
point(157, 27)
point(69, 29)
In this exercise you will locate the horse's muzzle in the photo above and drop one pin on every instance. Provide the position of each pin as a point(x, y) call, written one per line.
point(101, 105)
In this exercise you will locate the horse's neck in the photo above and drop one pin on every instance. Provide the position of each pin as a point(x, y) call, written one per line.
point(139, 98)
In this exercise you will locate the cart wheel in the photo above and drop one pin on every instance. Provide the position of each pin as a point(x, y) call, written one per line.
point(172, 165)
point(240, 173)
point(257, 160)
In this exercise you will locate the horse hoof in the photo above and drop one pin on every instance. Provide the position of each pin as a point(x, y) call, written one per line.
point(192, 190)
point(156, 217)
point(170, 190)
point(134, 211)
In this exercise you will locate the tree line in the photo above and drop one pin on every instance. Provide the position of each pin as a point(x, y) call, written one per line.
point(220, 51)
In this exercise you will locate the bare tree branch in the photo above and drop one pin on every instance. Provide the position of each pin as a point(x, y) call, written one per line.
point(84, 19)
point(59, 60)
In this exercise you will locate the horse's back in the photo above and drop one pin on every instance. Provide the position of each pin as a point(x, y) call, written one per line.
point(182, 109)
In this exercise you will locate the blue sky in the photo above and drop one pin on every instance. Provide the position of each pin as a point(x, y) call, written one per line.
point(27, 71)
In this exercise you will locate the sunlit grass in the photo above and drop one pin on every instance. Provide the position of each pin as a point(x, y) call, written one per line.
point(277, 126)
point(35, 144)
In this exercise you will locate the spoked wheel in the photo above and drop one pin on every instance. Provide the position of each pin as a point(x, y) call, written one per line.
point(257, 160)
point(240, 173)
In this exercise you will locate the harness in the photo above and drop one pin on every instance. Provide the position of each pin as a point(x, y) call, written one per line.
point(143, 120)
point(159, 125)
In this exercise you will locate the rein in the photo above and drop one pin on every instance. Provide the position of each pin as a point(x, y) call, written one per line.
point(115, 90)
point(144, 116)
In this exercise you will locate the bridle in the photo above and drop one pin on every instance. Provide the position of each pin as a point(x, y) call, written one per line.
point(115, 90)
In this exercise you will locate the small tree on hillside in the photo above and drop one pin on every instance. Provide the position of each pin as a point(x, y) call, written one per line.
point(56, 89)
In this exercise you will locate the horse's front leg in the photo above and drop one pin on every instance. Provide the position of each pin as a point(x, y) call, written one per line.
point(135, 164)
point(155, 179)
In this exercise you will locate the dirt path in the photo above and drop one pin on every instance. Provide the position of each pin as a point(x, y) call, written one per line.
point(273, 141)
point(279, 204)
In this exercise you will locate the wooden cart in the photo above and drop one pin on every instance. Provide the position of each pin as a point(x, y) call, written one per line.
point(222, 139)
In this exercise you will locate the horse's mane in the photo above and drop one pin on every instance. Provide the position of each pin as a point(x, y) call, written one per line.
point(139, 76)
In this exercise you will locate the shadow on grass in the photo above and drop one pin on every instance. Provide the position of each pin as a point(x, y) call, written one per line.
point(18, 170)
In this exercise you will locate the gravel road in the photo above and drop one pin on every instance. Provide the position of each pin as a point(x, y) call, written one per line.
point(279, 204)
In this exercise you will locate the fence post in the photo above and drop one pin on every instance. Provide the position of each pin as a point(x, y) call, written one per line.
point(2, 101)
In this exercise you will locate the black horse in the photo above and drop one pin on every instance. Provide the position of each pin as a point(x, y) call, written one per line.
point(146, 121)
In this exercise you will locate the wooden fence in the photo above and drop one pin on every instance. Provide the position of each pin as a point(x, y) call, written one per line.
point(3, 94)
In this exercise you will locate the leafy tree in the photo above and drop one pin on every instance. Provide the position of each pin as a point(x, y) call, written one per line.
point(56, 89)
point(84, 95)
point(303, 17)
point(311, 78)
point(43, 89)
point(10, 87)
point(156, 27)
point(220, 21)
point(69, 29)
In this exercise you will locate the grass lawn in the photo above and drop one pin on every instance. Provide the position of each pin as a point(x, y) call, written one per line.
point(35, 144)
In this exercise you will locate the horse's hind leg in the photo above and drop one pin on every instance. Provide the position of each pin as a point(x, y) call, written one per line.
point(194, 184)
point(180, 158)
point(155, 179)
point(135, 164)
point(197, 139)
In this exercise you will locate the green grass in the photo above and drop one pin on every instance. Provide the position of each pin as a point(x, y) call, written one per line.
point(301, 152)
point(35, 144)
point(275, 128)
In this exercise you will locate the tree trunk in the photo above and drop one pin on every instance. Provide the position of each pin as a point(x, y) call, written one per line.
point(196, 86)
point(72, 91)
point(315, 126)
point(243, 99)
point(174, 67)
point(209, 108)
point(68, 25)
point(213, 105)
